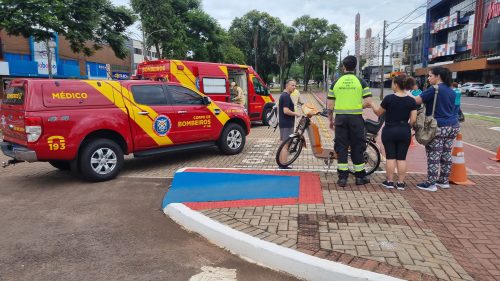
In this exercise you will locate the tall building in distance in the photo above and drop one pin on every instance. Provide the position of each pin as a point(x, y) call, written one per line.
point(357, 41)
point(369, 48)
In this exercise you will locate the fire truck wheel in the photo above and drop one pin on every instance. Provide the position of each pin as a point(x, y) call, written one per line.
point(101, 160)
point(61, 165)
point(232, 139)
point(265, 115)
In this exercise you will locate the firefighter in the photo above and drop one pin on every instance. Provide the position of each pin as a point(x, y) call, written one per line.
point(239, 96)
point(347, 97)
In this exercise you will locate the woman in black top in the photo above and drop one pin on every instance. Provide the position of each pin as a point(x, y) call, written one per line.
point(400, 115)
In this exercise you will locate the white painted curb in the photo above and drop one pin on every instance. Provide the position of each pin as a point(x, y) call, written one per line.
point(266, 253)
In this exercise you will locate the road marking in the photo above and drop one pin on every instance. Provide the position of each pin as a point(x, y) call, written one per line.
point(480, 105)
point(475, 146)
point(215, 274)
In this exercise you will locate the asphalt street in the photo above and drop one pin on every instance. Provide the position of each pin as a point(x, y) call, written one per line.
point(60, 228)
point(471, 105)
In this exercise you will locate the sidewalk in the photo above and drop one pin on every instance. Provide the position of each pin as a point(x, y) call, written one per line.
point(414, 235)
point(451, 234)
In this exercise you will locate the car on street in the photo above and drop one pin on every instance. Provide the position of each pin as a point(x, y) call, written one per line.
point(489, 90)
point(470, 88)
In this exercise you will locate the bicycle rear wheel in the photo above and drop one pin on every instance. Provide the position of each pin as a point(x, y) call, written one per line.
point(372, 159)
point(294, 146)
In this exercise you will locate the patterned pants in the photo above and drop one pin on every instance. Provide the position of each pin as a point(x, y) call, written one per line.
point(439, 154)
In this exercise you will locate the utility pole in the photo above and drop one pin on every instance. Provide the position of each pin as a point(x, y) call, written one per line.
point(327, 75)
point(144, 45)
point(382, 66)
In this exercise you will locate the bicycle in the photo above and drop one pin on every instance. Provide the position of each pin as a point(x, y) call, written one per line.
point(296, 142)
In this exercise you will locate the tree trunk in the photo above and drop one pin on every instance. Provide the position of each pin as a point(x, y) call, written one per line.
point(49, 57)
point(157, 47)
point(281, 78)
point(288, 70)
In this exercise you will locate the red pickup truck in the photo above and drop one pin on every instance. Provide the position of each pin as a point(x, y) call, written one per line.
point(88, 126)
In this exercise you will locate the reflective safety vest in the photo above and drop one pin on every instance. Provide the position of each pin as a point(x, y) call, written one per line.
point(348, 92)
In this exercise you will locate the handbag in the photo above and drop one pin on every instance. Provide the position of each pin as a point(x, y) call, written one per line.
point(426, 126)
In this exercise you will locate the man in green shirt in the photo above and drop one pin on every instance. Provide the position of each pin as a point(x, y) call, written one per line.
point(347, 98)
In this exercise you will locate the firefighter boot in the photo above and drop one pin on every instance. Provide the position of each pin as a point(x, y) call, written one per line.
point(362, 178)
point(342, 181)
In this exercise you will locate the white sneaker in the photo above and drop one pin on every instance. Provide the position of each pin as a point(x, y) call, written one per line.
point(427, 186)
point(443, 185)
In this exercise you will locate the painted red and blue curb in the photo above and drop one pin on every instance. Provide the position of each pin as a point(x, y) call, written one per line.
point(204, 188)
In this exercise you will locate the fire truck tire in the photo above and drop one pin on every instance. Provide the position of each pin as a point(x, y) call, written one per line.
point(101, 160)
point(265, 114)
point(61, 165)
point(232, 139)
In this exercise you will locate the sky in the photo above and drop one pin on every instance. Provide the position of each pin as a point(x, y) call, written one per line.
point(373, 13)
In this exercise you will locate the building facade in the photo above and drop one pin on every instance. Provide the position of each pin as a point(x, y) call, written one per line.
point(417, 48)
point(463, 36)
point(24, 57)
point(137, 55)
point(369, 47)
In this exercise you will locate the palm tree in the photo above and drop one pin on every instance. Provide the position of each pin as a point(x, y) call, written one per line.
point(280, 40)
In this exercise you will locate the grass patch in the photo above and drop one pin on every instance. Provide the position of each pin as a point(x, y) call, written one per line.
point(494, 120)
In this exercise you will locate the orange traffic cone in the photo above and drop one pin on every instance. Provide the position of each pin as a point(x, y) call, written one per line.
point(458, 173)
point(412, 137)
point(497, 158)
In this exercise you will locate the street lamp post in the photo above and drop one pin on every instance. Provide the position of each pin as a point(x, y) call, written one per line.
point(145, 37)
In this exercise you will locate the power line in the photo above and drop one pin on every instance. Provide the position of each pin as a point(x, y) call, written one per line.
point(406, 17)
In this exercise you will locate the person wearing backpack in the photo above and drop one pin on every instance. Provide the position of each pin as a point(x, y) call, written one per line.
point(438, 150)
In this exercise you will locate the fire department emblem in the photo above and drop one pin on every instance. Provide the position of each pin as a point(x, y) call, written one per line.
point(162, 125)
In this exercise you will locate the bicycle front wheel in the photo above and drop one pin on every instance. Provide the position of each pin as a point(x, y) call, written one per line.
point(293, 146)
point(372, 159)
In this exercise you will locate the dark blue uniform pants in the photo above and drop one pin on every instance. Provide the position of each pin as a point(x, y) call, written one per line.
point(350, 132)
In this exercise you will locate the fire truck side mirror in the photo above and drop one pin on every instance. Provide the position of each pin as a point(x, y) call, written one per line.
point(206, 100)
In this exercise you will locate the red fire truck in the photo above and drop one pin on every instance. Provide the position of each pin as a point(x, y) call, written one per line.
point(213, 79)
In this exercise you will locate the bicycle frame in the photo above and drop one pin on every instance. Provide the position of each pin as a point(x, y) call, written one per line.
point(319, 152)
point(296, 141)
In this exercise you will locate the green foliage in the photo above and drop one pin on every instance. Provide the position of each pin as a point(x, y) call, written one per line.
point(80, 21)
point(180, 29)
point(251, 34)
point(281, 42)
point(317, 41)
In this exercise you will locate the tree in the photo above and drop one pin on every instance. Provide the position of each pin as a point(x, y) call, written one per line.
point(281, 42)
point(80, 21)
point(250, 33)
point(180, 29)
point(318, 41)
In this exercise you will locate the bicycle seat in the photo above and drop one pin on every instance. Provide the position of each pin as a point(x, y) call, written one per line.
point(372, 127)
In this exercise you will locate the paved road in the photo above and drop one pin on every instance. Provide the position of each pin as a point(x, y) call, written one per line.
point(58, 228)
point(481, 106)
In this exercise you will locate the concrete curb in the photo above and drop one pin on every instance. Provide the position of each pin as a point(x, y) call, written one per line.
point(266, 253)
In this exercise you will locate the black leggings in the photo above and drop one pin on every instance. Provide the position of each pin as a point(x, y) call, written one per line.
point(396, 140)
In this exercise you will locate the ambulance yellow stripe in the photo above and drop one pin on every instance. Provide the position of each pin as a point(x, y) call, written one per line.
point(224, 69)
point(266, 99)
point(187, 79)
point(143, 121)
